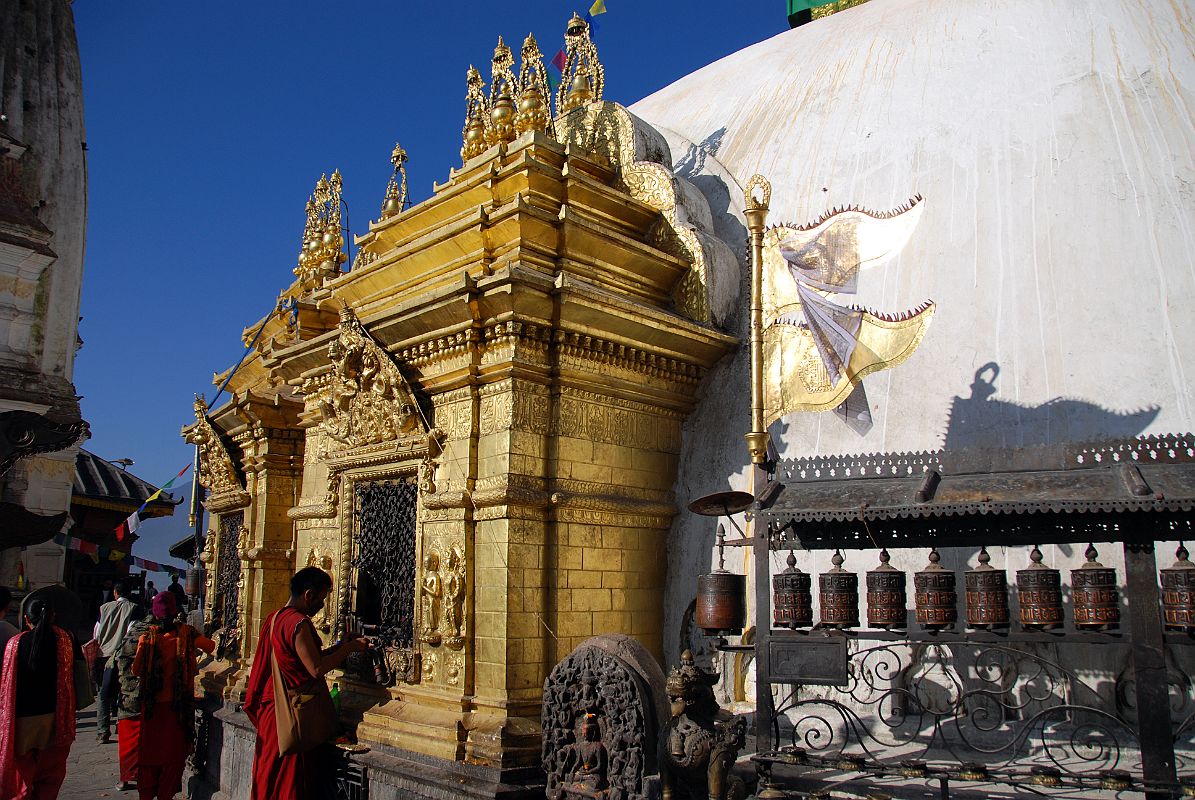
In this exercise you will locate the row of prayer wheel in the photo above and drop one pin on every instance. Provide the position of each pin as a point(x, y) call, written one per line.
point(1095, 598)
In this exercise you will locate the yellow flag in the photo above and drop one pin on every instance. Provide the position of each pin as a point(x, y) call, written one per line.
point(115, 555)
point(598, 7)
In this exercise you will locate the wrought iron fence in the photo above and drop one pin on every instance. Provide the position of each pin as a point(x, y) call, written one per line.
point(385, 560)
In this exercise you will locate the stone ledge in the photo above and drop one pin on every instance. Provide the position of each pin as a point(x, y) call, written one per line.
point(396, 775)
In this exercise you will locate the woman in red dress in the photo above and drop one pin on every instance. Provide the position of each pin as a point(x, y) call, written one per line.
point(289, 636)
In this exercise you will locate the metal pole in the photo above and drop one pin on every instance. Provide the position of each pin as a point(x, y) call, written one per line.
point(1148, 658)
point(756, 210)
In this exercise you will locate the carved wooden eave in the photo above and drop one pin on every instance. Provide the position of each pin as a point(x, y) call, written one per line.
point(217, 470)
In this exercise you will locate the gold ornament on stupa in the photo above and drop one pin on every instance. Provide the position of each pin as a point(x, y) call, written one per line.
point(583, 78)
point(476, 115)
point(323, 242)
point(534, 113)
point(396, 198)
point(504, 88)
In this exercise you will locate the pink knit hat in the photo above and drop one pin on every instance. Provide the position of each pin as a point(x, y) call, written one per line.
point(164, 605)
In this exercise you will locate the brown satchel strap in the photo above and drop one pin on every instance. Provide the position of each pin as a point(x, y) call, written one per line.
point(279, 686)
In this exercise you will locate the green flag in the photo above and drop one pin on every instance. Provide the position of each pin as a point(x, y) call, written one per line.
point(804, 5)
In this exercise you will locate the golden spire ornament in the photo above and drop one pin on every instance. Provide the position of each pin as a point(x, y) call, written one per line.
point(533, 114)
point(476, 112)
point(396, 194)
point(503, 89)
point(583, 79)
point(323, 241)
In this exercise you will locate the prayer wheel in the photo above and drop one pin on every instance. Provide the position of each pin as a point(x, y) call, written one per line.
point(1178, 593)
point(935, 596)
point(987, 595)
point(791, 597)
point(1096, 599)
point(886, 597)
point(839, 595)
point(721, 598)
point(1039, 590)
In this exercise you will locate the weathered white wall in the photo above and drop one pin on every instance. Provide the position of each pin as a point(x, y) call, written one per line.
point(1054, 142)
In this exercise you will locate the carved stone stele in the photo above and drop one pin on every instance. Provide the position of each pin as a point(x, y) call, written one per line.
point(603, 706)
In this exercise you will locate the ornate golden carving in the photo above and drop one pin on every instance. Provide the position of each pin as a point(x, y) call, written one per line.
point(602, 418)
point(217, 471)
point(534, 113)
point(367, 400)
point(431, 591)
point(583, 78)
point(430, 664)
point(503, 89)
point(396, 198)
point(317, 557)
point(476, 114)
point(454, 668)
point(323, 243)
point(454, 602)
point(403, 663)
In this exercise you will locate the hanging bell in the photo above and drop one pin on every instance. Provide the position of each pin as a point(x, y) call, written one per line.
point(935, 597)
point(987, 595)
point(1178, 593)
point(886, 598)
point(721, 597)
point(1039, 590)
point(1095, 596)
point(839, 595)
point(791, 597)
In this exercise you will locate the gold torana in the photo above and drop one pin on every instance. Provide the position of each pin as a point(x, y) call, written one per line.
point(323, 244)
point(583, 79)
point(476, 112)
point(504, 87)
point(534, 113)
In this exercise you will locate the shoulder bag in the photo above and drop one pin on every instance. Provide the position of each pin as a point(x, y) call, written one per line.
point(304, 715)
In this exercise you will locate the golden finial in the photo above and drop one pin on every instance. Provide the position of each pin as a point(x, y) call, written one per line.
point(396, 194)
point(533, 80)
point(583, 78)
point(476, 111)
point(323, 241)
point(503, 88)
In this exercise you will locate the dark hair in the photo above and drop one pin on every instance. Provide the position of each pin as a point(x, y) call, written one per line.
point(5, 596)
point(41, 613)
point(118, 588)
point(312, 578)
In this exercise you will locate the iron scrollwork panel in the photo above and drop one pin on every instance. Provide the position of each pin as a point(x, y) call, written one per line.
point(228, 584)
point(385, 560)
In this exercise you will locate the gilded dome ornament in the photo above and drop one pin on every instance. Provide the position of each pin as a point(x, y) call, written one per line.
point(583, 78)
point(476, 112)
point(534, 113)
point(504, 87)
point(396, 198)
point(323, 241)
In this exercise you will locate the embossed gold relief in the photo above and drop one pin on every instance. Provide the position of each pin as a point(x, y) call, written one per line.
point(367, 400)
point(322, 252)
point(802, 266)
point(504, 88)
point(318, 557)
point(477, 112)
point(217, 472)
point(534, 113)
point(583, 78)
point(454, 602)
point(403, 663)
point(430, 592)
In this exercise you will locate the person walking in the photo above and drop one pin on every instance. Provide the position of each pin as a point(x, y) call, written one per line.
point(150, 591)
point(288, 637)
point(165, 666)
point(128, 703)
point(180, 595)
point(109, 631)
point(7, 629)
point(37, 707)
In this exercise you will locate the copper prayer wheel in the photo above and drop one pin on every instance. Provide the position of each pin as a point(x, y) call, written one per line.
point(886, 597)
point(1039, 590)
point(935, 596)
point(839, 595)
point(987, 595)
point(1095, 596)
point(721, 598)
point(1178, 593)
point(791, 597)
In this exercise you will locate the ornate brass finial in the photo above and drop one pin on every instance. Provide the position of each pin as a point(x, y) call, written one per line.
point(533, 112)
point(323, 242)
point(583, 78)
point(476, 111)
point(503, 89)
point(396, 193)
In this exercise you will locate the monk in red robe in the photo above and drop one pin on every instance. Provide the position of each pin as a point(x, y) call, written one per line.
point(289, 636)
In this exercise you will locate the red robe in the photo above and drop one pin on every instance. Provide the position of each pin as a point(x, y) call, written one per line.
point(23, 775)
point(276, 777)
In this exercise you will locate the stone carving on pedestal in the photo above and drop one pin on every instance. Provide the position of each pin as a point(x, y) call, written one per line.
point(601, 713)
point(217, 470)
point(701, 741)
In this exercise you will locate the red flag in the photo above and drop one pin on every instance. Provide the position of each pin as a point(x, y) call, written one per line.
point(558, 62)
point(88, 547)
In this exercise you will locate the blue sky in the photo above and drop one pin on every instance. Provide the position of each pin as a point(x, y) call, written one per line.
point(208, 125)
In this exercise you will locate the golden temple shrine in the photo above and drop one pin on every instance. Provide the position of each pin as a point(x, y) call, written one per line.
point(475, 428)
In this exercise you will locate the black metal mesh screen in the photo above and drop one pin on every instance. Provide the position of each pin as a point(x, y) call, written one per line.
point(385, 559)
point(228, 575)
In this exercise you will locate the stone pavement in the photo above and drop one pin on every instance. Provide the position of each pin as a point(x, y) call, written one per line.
point(92, 770)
